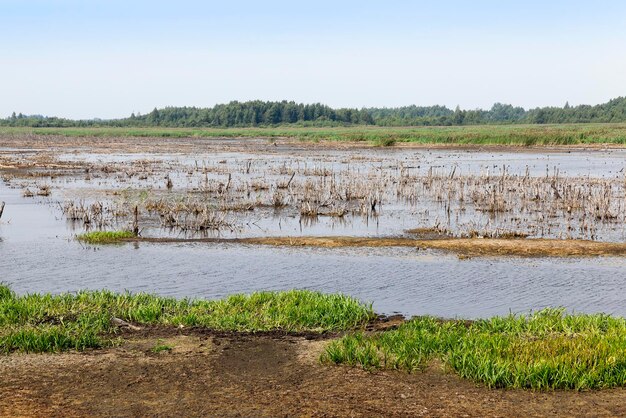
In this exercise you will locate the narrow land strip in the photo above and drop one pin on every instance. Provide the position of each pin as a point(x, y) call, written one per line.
point(471, 247)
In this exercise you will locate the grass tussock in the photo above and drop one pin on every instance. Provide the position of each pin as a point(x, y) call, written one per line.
point(50, 323)
point(161, 347)
point(546, 350)
point(105, 237)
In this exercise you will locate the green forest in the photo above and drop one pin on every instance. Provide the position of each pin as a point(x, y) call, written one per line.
point(261, 113)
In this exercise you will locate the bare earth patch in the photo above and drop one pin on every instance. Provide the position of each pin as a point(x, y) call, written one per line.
point(470, 247)
point(234, 375)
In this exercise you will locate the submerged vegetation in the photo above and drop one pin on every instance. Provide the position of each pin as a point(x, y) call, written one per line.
point(218, 190)
point(90, 319)
point(222, 198)
point(105, 237)
point(545, 350)
point(226, 193)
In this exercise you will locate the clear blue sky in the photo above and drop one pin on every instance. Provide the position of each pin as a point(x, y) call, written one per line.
point(108, 58)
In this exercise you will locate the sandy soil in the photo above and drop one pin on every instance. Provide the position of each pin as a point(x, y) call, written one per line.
point(232, 375)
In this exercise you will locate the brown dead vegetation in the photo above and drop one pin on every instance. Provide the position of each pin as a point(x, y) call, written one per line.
point(470, 247)
point(465, 246)
point(320, 184)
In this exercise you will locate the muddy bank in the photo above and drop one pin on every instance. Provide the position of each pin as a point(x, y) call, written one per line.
point(241, 376)
point(470, 247)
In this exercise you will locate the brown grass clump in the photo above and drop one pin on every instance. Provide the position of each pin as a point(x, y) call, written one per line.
point(464, 246)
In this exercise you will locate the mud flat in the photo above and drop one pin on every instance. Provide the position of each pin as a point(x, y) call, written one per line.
point(471, 247)
point(261, 376)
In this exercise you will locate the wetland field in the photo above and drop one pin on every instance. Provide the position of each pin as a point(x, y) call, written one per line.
point(386, 261)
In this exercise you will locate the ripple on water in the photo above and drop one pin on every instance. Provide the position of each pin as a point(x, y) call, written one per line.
point(393, 279)
point(38, 254)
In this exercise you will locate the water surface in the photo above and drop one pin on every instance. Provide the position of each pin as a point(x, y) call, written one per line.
point(38, 254)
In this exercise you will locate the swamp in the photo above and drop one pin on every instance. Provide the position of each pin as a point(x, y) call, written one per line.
point(387, 268)
point(411, 229)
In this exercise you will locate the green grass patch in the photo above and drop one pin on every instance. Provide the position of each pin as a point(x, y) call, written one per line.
point(105, 237)
point(409, 347)
point(384, 142)
point(515, 135)
point(48, 323)
point(161, 347)
point(545, 350)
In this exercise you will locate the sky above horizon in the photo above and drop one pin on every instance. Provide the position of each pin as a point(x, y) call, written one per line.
point(108, 58)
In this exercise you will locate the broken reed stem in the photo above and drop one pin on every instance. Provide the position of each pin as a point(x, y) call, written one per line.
point(136, 221)
point(291, 179)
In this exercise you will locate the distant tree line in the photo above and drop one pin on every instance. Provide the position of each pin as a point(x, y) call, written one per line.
point(260, 113)
point(612, 111)
point(254, 113)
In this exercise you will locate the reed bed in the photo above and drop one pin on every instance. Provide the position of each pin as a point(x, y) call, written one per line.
point(227, 195)
point(516, 135)
point(488, 204)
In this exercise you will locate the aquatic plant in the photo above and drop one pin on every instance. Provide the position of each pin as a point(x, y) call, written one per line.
point(105, 237)
point(493, 203)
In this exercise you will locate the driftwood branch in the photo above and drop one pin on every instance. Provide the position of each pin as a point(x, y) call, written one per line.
point(123, 324)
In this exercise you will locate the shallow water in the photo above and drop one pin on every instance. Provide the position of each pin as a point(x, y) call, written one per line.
point(38, 254)
point(595, 163)
point(414, 188)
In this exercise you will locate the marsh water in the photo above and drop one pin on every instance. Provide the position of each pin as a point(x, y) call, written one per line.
point(39, 252)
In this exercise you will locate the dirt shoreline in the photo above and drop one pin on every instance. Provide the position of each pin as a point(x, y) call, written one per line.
point(230, 375)
point(470, 247)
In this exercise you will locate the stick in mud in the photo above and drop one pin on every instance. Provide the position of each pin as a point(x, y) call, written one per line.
point(1, 209)
point(136, 221)
point(123, 324)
